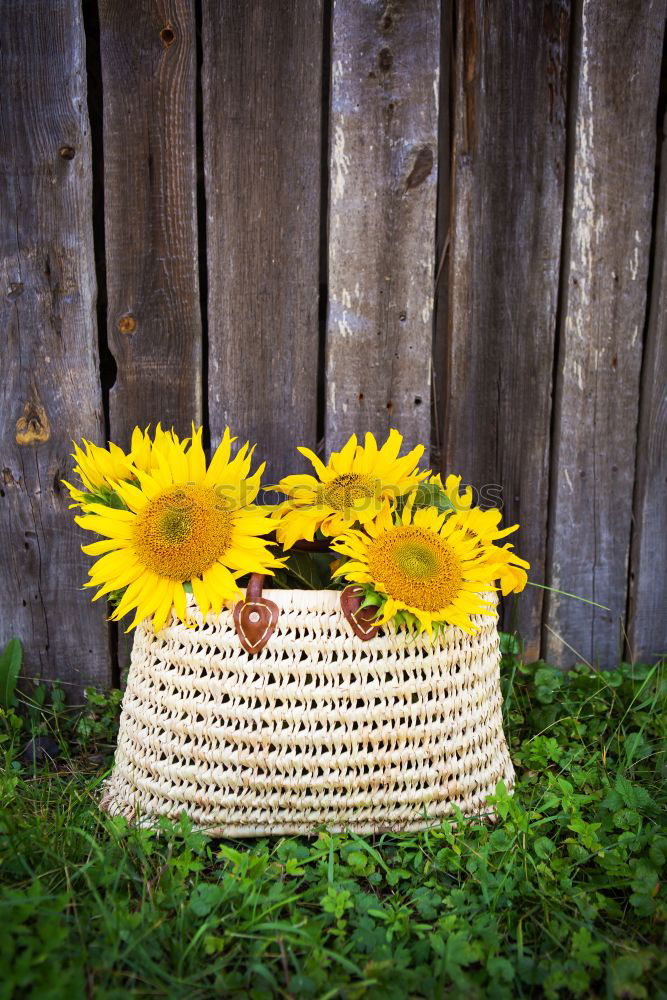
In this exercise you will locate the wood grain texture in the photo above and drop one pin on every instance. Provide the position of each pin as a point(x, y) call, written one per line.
point(508, 161)
point(148, 54)
point(49, 391)
point(647, 625)
point(606, 250)
point(262, 82)
point(441, 290)
point(382, 204)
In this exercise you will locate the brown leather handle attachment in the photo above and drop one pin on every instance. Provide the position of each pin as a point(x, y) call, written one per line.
point(351, 598)
point(360, 619)
point(255, 619)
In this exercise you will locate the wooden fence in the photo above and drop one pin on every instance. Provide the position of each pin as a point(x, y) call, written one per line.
point(306, 218)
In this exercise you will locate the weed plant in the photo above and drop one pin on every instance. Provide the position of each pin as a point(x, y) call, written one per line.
point(562, 897)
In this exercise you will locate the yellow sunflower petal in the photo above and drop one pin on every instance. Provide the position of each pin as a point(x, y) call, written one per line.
point(108, 526)
point(116, 513)
point(200, 594)
point(196, 458)
point(318, 465)
point(135, 498)
point(220, 459)
point(122, 578)
point(136, 591)
point(163, 609)
point(180, 602)
point(298, 487)
point(341, 461)
point(104, 545)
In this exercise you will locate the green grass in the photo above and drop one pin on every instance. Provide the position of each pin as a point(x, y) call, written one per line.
point(561, 898)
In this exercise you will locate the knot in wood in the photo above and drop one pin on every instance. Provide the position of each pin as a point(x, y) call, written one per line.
point(168, 36)
point(127, 323)
point(385, 60)
point(422, 167)
point(387, 20)
point(32, 427)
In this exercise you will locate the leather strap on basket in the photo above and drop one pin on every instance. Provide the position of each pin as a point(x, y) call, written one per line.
point(255, 618)
point(360, 619)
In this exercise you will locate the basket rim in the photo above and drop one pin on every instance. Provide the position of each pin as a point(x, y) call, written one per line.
point(310, 600)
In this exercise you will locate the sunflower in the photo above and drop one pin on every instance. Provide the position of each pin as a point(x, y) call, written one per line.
point(145, 454)
point(506, 566)
point(420, 562)
point(432, 493)
point(97, 468)
point(460, 500)
point(100, 468)
point(351, 489)
point(483, 526)
point(181, 522)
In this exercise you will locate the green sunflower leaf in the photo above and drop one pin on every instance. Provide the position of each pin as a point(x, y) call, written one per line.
point(106, 497)
point(426, 495)
point(114, 597)
point(304, 568)
point(430, 495)
point(372, 599)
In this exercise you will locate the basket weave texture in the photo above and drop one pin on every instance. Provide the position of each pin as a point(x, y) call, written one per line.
point(318, 729)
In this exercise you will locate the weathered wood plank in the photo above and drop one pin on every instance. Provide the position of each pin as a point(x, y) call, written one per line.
point(49, 392)
point(647, 625)
point(441, 293)
point(262, 80)
point(148, 55)
point(382, 203)
point(505, 236)
point(608, 230)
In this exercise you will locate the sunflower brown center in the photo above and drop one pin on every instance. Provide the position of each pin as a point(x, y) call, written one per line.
point(416, 566)
point(182, 531)
point(345, 491)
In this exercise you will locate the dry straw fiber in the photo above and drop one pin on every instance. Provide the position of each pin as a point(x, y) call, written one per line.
point(319, 729)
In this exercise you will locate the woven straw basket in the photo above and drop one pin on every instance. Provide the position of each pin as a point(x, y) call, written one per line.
point(319, 729)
